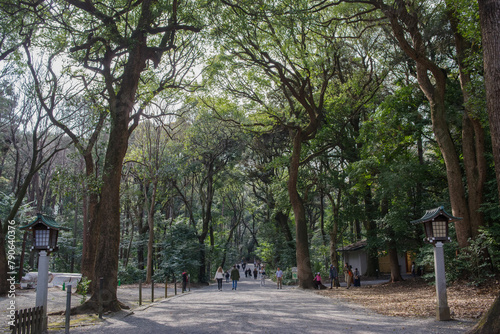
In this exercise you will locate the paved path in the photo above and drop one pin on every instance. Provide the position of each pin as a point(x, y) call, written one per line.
point(255, 309)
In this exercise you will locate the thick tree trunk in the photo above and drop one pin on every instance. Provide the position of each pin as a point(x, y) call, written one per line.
point(282, 221)
point(108, 212)
point(305, 274)
point(490, 322)
point(441, 131)
point(489, 13)
point(90, 231)
point(394, 262)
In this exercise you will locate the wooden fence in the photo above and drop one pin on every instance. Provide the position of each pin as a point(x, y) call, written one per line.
point(28, 321)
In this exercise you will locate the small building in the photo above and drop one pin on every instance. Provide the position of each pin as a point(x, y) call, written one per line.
point(356, 255)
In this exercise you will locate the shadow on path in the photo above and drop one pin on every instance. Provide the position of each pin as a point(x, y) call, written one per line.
point(255, 309)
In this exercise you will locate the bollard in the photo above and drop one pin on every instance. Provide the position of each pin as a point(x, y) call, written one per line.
point(166, 281)
point(140, 292)
point(119, 282)
point(64, 286)
point(68, 309)
point(152, 291)
point(175, 285)
point(101, 286)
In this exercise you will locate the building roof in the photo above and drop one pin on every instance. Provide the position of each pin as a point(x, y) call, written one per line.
point(352, 247)
point(49, 221)
point(433, 214)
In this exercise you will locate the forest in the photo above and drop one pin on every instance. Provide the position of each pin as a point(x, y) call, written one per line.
point(172, 135)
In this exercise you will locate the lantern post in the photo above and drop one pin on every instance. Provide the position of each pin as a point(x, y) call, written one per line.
point(45, 233)
point(437, 233)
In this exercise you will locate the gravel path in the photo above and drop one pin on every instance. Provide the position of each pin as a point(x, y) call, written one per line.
point(255, 309)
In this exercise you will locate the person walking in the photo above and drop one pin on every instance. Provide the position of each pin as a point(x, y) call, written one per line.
point(333, 276)
point(227, 276)
point(255, 272)
point(263, 277)
point(279, 278)
point(185, 278)
point(219, 275)
point(235, 276)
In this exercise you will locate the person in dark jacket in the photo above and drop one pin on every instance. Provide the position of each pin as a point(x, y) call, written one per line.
point(185, 278)
point(333, 276)
point(235, 276)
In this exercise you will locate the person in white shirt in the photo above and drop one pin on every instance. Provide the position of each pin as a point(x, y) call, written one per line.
point(219, 275)
point(279, 278)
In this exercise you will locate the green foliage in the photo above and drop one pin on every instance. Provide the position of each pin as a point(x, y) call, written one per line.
point(472, 263)
point(131, 274)
point(475, 260)
point(82, 288)
point(181, 252)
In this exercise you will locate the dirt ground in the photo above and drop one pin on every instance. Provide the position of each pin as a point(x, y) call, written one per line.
point(416, 298)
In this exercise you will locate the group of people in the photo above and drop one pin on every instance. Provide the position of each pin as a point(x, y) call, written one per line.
point(235, 275)
point(351, 277)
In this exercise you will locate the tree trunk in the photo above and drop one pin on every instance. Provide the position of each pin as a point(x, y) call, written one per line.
point(151, 213)
point(489, 14)
point(282, 221)
point(394, 262)
point(434, 88)
point(333, 233)
point(305, 274)
point(90, 231)
point(371, 234)
point(490, 322)
point(472, 134)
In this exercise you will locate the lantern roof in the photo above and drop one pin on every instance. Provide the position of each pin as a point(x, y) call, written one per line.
point(46, 220)
point(432, 214)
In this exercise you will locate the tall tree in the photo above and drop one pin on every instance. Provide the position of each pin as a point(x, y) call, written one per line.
point(489, 13)
point(121, 49)
point(407, 28)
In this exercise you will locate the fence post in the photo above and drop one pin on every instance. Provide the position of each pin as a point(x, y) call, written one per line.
point(175, 285)
point(166, 284)
point(140, 292)
point(152, 291)
point(68, 309)
point(101, 286)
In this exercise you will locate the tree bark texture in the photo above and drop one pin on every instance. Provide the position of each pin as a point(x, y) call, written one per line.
point(90, 233)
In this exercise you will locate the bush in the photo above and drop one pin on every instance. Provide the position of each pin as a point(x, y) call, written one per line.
point(131, 275)
point(82, 288)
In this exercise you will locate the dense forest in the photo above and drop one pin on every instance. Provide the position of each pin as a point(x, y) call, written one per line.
point(186, 135)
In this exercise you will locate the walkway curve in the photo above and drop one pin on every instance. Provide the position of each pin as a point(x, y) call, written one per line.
point(255, 309)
